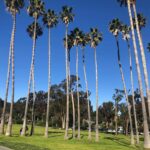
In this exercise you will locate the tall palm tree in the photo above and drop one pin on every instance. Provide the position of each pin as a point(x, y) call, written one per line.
point(76, 34)
point(96, 38)
point(35, 10)
point(70, 45)
point(139, 22)
point(126, 36)
point(148, 47)
point(67, 16)
point(114, 28)
point(50, 19)
point(13, 7)
point(85, 40)
point(129, 3)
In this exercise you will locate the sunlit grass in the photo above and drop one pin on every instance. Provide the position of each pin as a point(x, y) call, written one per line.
point(56, 141)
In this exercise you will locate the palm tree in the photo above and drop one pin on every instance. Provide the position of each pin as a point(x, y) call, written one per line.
point(126, 36)
point(139, 22)
point(85, 40)
point(70, 45)
point(148, 47)
point(96, 38)
point(35, 10)
point(13, 7)
point(117, 98)
point(67, 16)
point(145, 122)
point(114, 28)
point(50, 19)
point(76, 34)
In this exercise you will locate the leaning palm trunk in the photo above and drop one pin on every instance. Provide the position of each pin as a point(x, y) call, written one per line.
point(77, 86)
point(87, 94)
point(116, 117)
point(132, 87)
point(96, 72)
point(9, 126)
point(67, 86)
point(73, 106)
point(143, 59)
point(29, 83)
point(145, 122)
point(49, 85)
point(7, 88)
point(126, 94)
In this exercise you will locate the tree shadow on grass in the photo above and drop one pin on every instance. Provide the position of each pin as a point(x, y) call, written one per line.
point(22, 146)
point(119, 141)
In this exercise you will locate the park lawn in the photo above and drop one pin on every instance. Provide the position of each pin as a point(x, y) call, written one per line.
point(56, 141)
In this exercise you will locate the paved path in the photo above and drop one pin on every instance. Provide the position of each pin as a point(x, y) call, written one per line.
point(4, 148)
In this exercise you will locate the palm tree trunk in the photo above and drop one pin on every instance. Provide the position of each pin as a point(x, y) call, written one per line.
point(77, 86)
point(116, 117)
point(73, 105)
point(29, 83)
point(126, 94)
point(67, 88)
point(96, 72)
point(145, 122)
point(87, 94)
point(49, 84)
point(143, 59)
point(132, 87)
point(7, 88)
point(9, 126)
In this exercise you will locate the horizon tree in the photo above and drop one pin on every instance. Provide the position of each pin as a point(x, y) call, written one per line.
point(114, 28)
point(125, 30)
point(129, 5)
point(95, 39)
point(50, 19)
point(76, 34)
point(14, 8)
point(85, 40)
point(67, 17)
point(35, 10)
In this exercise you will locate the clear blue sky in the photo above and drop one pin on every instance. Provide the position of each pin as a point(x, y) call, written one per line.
point(88, 13)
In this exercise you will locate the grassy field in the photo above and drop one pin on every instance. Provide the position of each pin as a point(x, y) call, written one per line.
point(56, 141)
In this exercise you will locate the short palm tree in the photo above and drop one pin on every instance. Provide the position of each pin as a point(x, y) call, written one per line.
point(67, 16)
point(13, 7)
point(114, 28)
point(129, 4)
point(95, 39)
point(85, 40)
point(76, 34)
point(35, 10)
point(125, 30)
point(50, 19)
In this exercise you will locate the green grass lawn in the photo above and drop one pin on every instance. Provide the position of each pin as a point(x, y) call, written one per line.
point(56, 141)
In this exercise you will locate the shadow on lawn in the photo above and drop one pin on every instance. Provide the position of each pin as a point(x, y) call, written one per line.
point(22, 146)
point(119, 141)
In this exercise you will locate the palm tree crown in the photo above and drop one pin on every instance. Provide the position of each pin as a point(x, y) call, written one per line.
point(14, 6)
point(115, 26)
point(50, 19)
point(66, 15)
point(148, 47)
point(36, 8)
point(30, 30)
point(124, 2)
point(125, 30)
point(95, 36)
point(85, 40)
point(141, 21)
